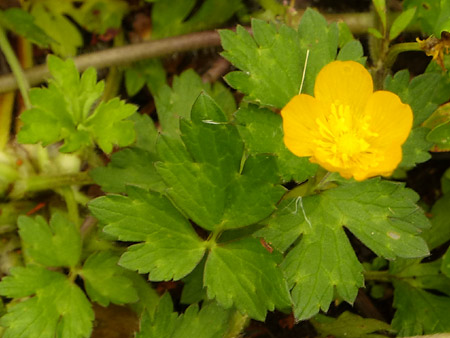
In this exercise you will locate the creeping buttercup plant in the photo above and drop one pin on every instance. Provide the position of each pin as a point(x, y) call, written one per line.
point(291, 200)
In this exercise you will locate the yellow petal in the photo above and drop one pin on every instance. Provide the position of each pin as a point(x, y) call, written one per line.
point(344, 82)
point(389, 118)
point(388, 160)
point(299, 124)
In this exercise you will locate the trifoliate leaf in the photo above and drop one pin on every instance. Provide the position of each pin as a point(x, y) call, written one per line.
point(176, 102)
point(131, 166)
point(21, 22)
point(56, 244)
point(62, 112)
point(381, 214)
point(262, 132)
point(206, 177)
point(105, 281)
point(181, 16)
point(170, 250)
point(253, 288)
point(419, 312)
point(57, 309)
point(272, 61)
point(349, 325)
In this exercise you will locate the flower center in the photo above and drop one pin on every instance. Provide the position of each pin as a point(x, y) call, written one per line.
point(344, 136)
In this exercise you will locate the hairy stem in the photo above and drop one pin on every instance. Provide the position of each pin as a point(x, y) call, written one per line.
point(395, 50)
point(41, 183)
point(20, 79)
point(379, 276)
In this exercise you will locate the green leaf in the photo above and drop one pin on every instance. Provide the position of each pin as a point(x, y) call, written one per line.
point(439, 233)
point(148, 72)
point(381, 214)
point(277, 56)
point(416, 148)
point(146, 132)
point(99, 16)
point(58, 309)
point(401, 22)
point(419, 312)
point(262, 132)
point(176, 102)
point(21, 22)
point(421, 275)
point(56, 244)
point(162, 323)
point(424, 94)
point(105, 281)
point(63, 112)
point(131, 166)
point(206, 177)
point(440, 135)
point(211, 321)
point(50, 17)
point(257, 286)
point(345, 34)
point(380, 6)
point(170, 248)
point(445, 267)
point(432, 15)
point(375, 32)
point(179, 17)
point(348, 325)
point(108, 127)
point(193, 290)
point(352, 51)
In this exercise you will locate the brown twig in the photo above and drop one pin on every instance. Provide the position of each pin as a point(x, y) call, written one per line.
point(219, 67)
point(121, 55)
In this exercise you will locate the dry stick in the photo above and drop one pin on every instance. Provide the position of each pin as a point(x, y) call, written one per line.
point(121, 55)
point(219, 67)
point(357, 22)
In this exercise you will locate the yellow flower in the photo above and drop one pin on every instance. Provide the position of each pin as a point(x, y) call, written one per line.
point(347, 127)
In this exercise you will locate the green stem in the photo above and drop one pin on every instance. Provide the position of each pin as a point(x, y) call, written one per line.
point(395, 50)
point(237, 323)
point(379, 276)
point(19, 75)
point(72, 205)
point(41, 183)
